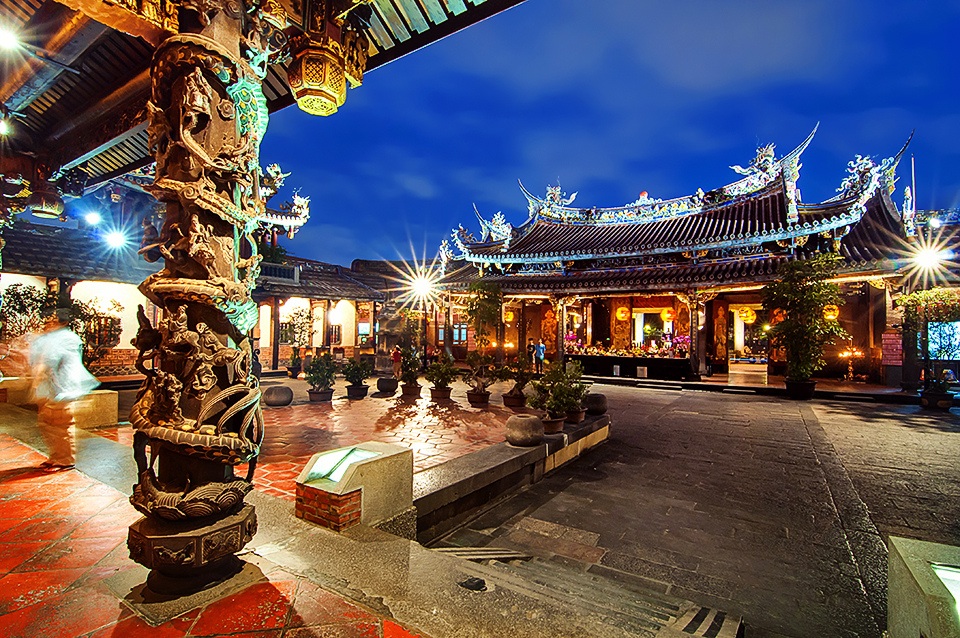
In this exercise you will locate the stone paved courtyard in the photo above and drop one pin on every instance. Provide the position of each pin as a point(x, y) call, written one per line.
point(763, 507)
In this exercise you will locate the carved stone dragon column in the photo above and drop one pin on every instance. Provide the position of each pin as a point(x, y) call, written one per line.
point(198, 410)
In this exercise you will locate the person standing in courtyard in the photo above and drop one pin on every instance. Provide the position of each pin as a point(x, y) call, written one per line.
point(397, 357)
point(539, 354)
point(59, 380)
point(531, 350)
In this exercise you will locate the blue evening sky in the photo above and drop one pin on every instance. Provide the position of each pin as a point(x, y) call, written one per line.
point(615, 97)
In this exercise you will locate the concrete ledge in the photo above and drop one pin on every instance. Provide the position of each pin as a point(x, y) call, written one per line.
point(98, 409)
point(898, 398)
point(15, 390)
point(449, 494)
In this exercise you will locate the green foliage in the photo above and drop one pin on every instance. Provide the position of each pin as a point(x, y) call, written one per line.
point(410, 329)
point(942, 382)
point(483, 310)
point(21, 310)
point(559, 390)
point(274, 254)
point(481, 373)
point(801, 294)
point(355, 371)
point(321, 372)
point(520, 371)
point(298, 332)
point(938, 305)
point(99, 330)
point(409, 365)
point(442, 372)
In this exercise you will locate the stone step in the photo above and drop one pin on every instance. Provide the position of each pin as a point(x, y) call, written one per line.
point(601, 592)
point(480, 554)
point(624, 604)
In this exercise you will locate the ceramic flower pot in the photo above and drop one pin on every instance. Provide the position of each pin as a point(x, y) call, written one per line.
point(552, 425)
point(357, 391)
point(387, 385)
point(320, 395)
point(410, 390)
point(478, 398)
point(514, 400)
point(440, 394)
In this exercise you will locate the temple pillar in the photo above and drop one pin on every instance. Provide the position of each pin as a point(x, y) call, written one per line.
point(275, 334)
point(199, 407)
point(692, 302)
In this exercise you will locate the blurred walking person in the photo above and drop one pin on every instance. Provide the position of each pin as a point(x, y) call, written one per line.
point(59, 380)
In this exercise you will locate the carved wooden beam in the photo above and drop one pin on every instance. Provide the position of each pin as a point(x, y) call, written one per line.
point(152, 20)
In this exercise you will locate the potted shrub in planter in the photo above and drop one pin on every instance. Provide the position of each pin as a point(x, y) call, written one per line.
point(800, 294)
point(479, 376)
point(520, 371)
point(409, 373)
point(559, 393)
point(440, 373)
point(355, 372)
point(320, 374)
point(937, 394)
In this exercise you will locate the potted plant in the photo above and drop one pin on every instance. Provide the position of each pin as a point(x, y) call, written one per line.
point(440, 373)
point(927, 314)
point(355, 372)
point(937, 394)
point(520, 371)
point(559, 393)
point(479, 376)
point(409, 372)
point(320, 374)
point(800, 295)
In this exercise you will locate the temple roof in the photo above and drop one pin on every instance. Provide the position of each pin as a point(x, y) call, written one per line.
point(874, 246)
point(54, 251)
point(763, 207)
point(316, 280)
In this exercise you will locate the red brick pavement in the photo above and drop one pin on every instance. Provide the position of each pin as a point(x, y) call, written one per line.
point(62, 534)
point(436, 432)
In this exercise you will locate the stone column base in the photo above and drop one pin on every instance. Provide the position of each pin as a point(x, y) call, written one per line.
point(189, 555)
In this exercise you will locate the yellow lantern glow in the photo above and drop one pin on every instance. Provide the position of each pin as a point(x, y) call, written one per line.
point(747, 315)
point(508, 316)
point(668, 314)
point(831, 312)
point(623, 313)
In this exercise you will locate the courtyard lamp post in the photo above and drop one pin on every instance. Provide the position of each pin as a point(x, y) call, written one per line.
point(423, 291)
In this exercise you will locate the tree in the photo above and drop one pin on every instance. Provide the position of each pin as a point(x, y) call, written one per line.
point(483, 310)
point(801, 293)
point(99, 330)
point(21, 310)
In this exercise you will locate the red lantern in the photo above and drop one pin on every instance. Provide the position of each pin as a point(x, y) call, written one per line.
point(668, 314)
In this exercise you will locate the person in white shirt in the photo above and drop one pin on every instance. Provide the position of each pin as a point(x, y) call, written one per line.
point(59, 380)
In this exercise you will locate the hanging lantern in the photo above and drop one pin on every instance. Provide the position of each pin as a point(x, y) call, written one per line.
point(668, 314)
point(747, 315)
point(623, 313)
point(831, 312)
point(508, 316)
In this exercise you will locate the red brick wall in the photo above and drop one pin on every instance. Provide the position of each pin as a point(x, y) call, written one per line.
point(333, 511)
point(116, 362)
